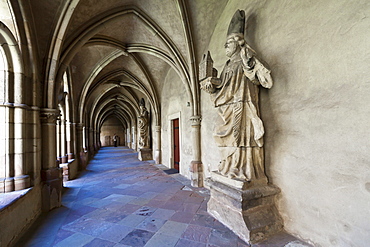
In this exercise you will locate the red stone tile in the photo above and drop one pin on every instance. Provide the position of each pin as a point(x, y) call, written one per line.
point(174, 205)
point(197, 233)
point(162, 197)
point(189, 207)
point(192, 199)
point(155, 203)
point(203, 220)
point(128, 208)
point(189, 243)
point(183, 217)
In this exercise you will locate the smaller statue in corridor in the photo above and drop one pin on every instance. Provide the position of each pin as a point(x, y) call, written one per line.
point(143, 124)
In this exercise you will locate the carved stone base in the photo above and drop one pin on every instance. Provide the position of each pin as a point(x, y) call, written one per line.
point(249, 211)
point(70, 170)
point(196, 172)
point(145, 154)
point(63, 159)
point(82, 161)
point(7, 185)
point(14, 183)
point(21, 182)
point(71, 156)
point(52, 185)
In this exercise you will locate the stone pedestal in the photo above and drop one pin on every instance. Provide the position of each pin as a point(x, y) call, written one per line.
point(71, 156)
point(248, 209)
point(145, 154)
point(22, 182)
point(51, 188)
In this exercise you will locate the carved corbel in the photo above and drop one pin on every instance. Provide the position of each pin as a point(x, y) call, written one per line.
point(195, 120)
point(49, 115)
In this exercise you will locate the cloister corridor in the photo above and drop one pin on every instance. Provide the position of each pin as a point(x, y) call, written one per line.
point(121, 201)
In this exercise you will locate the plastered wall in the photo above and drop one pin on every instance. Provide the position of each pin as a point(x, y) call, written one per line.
point(316, 115)
point(111, 127)
point(174, 98)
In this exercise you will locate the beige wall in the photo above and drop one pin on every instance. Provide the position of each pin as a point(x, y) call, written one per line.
point(174, 100)
point(16, 218)
point(316, 115)
point(110, 127)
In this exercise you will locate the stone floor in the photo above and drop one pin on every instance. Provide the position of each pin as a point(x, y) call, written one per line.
point(121, 201)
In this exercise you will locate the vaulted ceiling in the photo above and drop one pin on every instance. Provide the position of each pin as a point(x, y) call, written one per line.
point(119, 51)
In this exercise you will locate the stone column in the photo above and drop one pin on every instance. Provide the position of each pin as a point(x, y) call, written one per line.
point(58, 139)
point(98, 136)
point(128, 138)
point(63, 142)
point(96, 142)
point(13, 136)
point(70, 138)
point(21, 177)
point(79, 146)
point(7, 170)
point(36, 143)
point(91, 143)
point(133, 137)
point(196, 166)
point(51, 174)
point(158, 152)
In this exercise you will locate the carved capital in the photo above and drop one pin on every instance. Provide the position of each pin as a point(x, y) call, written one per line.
point(195, 120)
point(48, 115)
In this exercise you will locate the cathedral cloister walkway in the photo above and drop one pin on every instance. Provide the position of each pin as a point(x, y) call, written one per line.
point(121, 201)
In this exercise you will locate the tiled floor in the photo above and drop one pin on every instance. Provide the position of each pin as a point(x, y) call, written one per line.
point(121, 201)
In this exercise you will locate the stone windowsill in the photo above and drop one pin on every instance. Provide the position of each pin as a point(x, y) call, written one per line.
point(6, 199)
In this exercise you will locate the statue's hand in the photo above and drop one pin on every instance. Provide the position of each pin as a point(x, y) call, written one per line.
point(246, 55)
point(207, 85)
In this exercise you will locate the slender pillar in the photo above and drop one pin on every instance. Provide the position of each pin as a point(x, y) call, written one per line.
point(79, 146)
point(70, 139)
point(128, 137)
point(21, 177)
point(91, 142)
point(36, 144)
point(133, 137)
point(63, 142)
point(98, 139)
point(7, 148)
point(95, 142)
point(51, 174)
point(14, 173)
point(158, 152)
point(196, 166)
point(58, 140)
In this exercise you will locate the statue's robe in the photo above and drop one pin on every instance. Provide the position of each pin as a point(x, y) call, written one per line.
point(240, 130)
point(143, 129)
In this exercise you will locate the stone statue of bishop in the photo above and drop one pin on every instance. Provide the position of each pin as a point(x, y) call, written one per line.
point(239, 131)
